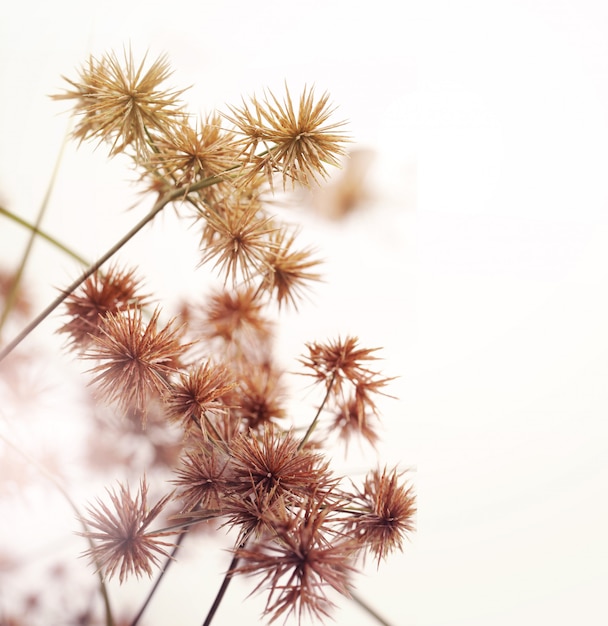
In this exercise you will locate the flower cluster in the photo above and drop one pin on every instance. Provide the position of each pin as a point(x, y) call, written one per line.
point(204, 389)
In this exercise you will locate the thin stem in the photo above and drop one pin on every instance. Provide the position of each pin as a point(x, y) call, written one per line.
point(62, 490)
point(160, 577)
point(160, 204)
point(313, 424)
point(12, 294)
point(222, 590)
point(43, 235)
point(366, 607)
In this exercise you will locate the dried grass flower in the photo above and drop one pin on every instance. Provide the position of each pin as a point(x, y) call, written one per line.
point(202, 478)
point(335, 362)
point(238, 240)
point(297, 141)
point(386, 514)
point(272, 463)
point(137, 358)
point(198, 390)
point(286, 273)
point(300, 562)
point(186, 153)
point(123, 544)
point(122, 103)
point(103, 292)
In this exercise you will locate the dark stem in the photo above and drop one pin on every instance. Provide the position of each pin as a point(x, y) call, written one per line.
point(160, 577)
point(366, 607)
point(222, 590)
point(313, 424)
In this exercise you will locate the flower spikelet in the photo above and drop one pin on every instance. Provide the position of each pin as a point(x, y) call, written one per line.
point(273, 464)
point(102, 293)
point(298, 142)
point(339, 361)
point(301, 563)
point(202, 478)
point(119, 533)
point(137, 358)
point(122, 103)
point(238, 241)
point(198, 390)
point(187, 153)
point(286, 272)
point(387, 513)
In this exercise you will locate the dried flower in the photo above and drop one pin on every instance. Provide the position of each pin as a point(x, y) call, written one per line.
point(274, 464)
point(297, 143)
point(336, 362)
point(259, 397)
point(387, 512)
point(187, 153)
point(198, 390)
point(300, 563)
point(122, 542)
point(235, 318)
point(202, 478)
point(238, 241)
point(286, 272)
point(137, 358)
point(122, 104)
point(102, 293)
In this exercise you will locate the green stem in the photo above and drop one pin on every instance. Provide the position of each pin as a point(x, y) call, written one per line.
point(43, 235)
point(366, 607)
point(160, 204)
point(313, 424)
point(62, 490)
point(12, 294)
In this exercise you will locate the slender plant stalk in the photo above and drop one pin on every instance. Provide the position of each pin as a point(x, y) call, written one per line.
point(366, 607)
point(12, 294)
point(63, 491)
point(223, 587)
point(43, 235)
point(313, 424)
point(160, 577)
point(159, 205)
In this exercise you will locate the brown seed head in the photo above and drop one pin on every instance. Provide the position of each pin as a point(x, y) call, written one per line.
point(122, 542)
point(136, 357)
point(388, 509)
point(102, 293)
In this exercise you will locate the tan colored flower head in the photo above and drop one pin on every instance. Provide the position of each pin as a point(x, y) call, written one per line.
point(238, 241)
point(122, 103)
point(234, 320)
point(273, 464)
point(298, 142)
point(286, 273)
point(187, 153)
point(122, 543)
point(339, 361)
point(202, 478)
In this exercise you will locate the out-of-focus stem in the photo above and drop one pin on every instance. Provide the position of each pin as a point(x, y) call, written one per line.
point(43, 235)
point(160, 204)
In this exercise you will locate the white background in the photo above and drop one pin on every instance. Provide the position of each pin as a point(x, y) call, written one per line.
point(480, 266)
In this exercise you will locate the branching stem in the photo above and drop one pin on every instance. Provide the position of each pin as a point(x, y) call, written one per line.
point(160, 204)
